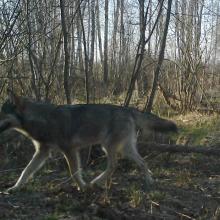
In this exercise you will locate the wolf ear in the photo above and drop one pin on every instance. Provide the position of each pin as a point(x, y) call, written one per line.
point(15, 100)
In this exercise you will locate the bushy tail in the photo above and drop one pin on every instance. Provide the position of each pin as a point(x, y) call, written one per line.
point(148, 121)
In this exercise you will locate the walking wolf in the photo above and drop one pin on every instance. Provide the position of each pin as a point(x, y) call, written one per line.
point(70, 128)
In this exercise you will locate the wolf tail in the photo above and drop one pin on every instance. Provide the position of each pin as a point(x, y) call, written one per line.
point(149, 121)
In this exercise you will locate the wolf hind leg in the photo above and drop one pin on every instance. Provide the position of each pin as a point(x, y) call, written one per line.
point(111, 165)
point(74, 163)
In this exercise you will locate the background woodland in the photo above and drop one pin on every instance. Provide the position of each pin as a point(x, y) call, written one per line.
point(112, 51)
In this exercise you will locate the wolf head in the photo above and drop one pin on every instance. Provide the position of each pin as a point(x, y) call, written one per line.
point(11, 112)
point(14, 104)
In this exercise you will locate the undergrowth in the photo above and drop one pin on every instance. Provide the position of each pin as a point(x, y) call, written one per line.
point(198, 129)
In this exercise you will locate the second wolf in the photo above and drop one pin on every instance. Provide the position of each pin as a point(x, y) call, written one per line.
point(70, 128)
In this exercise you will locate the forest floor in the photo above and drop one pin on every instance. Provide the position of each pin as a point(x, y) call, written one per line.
point(187, 185)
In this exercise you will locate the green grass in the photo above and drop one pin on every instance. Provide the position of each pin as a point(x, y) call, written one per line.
point(157, 196)
point(135, 195)
point(200, 129)
point(52, 217)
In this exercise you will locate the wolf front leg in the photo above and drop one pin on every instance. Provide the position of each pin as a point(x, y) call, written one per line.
point(40, 156)
point(130, 151)
point(73, 160)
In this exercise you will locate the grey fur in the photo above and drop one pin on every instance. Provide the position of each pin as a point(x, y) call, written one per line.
point(70, 128)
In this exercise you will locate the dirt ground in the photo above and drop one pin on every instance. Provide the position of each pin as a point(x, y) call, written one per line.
point(187, 187)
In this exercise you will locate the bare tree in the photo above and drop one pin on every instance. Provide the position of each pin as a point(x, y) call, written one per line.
point(66, 52)
point(105, 73)
point(161, 58)
point(115, 43)
point(98, 28)
point(86, 59)
point(141, 47)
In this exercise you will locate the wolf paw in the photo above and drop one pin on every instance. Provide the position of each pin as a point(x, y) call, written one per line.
point(11, 190)
point(4, 193)
point(83, 187)
point(95, 186)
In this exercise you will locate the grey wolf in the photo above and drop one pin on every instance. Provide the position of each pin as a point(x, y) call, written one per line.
point(70, 128)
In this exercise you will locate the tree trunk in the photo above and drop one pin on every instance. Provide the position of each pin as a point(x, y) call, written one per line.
point(114, 41)
point(160, 60)
point(66, 52)
point(106, 45)
point(141, 48)
point(86, 59)
point(30, 55)
point(209, 151)
point(99, 31)
point(91, 59)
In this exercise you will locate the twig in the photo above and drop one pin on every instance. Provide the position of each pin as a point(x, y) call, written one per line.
point(184, 215)
point(169, 209)
point(65, 181)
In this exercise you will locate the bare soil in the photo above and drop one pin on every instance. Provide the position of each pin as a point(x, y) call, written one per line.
point(187, 187)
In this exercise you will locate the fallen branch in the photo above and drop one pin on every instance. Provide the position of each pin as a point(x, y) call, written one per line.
point(210, 151)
